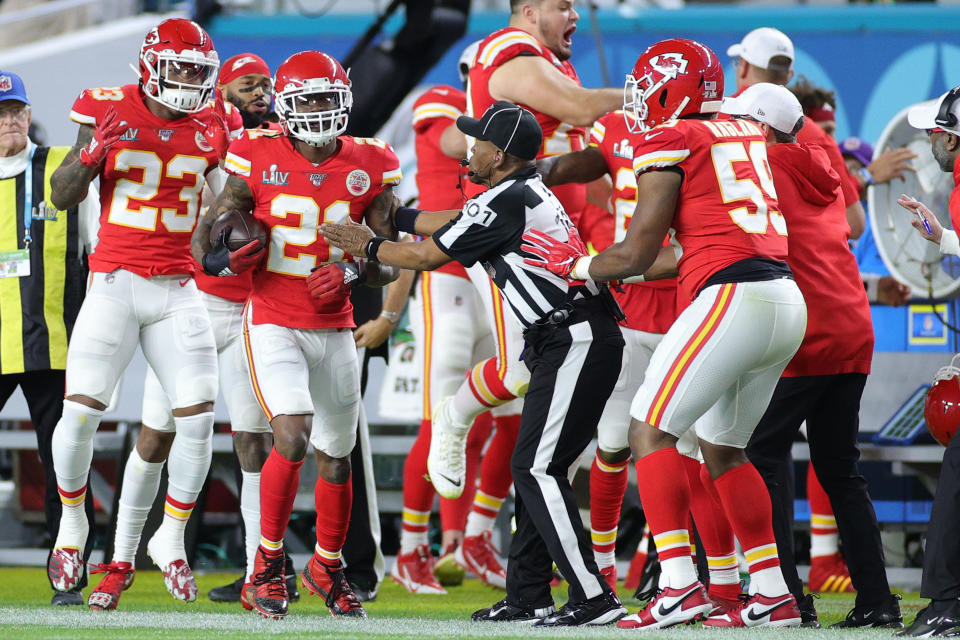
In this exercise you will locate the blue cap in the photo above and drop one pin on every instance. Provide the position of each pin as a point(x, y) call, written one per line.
point(11, 87)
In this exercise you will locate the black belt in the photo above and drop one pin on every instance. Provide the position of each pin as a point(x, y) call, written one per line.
point(569, 312)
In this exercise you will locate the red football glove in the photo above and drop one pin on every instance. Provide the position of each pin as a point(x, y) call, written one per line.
point(220, 261)
point(553, 255)
point(216, 131)
point(110, 129)
point(333, 281)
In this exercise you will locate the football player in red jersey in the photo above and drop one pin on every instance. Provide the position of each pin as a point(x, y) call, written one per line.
point(456, 314)
point(223, 299)
point(650, 309)
point(720, 361)
point(302, 358)
point(152, 145)
point(246, 86)
point(528, 63)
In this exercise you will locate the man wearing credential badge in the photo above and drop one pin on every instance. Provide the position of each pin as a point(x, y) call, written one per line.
point(42, 275)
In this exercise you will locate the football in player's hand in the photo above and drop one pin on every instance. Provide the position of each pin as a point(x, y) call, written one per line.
point(244, 229)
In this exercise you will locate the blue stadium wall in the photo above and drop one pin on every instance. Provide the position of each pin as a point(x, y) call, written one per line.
point(879, 59)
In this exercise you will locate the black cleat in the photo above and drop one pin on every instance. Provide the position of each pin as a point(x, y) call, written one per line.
point(365, 594)
point(886, 616)
point(290, 575)
point(503, 611)
point(939, 618)
point(808, 613)
point(603, 609)
point(228, 592)
point(67, 598)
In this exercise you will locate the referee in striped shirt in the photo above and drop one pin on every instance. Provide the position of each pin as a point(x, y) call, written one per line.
point(573, 351)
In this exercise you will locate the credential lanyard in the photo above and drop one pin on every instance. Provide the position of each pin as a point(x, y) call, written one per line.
point(28, 200)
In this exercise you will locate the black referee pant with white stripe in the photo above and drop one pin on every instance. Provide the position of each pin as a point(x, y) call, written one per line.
point(573, 369)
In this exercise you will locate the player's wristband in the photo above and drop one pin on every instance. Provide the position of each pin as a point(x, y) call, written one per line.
point(581, 268)
point(393, 317)
point(406, 219)
point(372, 247)
point(633, 279)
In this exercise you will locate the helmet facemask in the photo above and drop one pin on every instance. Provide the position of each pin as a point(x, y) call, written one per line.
point(297, 108)
point(181, 81)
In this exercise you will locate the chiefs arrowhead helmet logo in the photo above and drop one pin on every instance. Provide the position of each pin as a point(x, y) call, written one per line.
point(670, 65)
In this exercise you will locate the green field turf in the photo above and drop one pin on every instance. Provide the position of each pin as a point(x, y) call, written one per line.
point(147, 611)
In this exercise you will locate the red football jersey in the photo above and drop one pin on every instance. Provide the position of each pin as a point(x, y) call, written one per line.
point(438, 174)
point(293, 197)
point(150, 183)
point(649, 306)
point(558, 137)
point(727, 209)
point(839, 335)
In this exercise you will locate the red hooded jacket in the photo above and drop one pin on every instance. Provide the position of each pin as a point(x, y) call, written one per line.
point(839, 337)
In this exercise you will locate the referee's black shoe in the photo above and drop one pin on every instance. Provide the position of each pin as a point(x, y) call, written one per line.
point(886, 616)
point(503, 611)
point(228, 592)
point(602, 609)
point(939, 618)
point(808, 612)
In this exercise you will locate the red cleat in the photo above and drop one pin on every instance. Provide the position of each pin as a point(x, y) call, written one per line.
point(247, 593)
point(118, 579)
point(330, 584)
point(670, 607)
point(414, 571)
point(65, 568)
point(829, 574)
point(610, 575)
point(477, 555)
point(270, 598)
point(759, 611)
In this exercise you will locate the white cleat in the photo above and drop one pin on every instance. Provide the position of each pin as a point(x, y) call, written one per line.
point(447, 460)
point(177, 575)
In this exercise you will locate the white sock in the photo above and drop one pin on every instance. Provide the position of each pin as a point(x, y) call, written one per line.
point(72, 452)
point(768, 582)
point(677, 572)
point(824, 544)
point(465, 406)
point(477, 524)
point(724, 569)
point(141, 481)
point(187, 469)
point(605, 558)
point(250, 512)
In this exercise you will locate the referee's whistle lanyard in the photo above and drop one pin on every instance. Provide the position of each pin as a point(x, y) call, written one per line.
point(28, 200)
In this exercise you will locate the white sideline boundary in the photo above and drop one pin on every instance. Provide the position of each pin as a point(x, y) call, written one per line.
point(373, 627)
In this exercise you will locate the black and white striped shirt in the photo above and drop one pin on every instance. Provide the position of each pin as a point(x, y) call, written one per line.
point(489, 230)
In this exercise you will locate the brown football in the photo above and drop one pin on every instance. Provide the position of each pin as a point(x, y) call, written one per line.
point(244, 229)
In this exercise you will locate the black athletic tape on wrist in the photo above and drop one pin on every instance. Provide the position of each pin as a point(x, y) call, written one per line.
point(372, 247)
point(406, 219)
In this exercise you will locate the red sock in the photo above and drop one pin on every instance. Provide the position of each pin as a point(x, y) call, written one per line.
point(819, 500)
point(823, 522)
point(608, 483)
point(665, 495)
point(279, 481)
point(453, 513)
point(333, 503)
point(747, 505)
point(417, 491)
point(495, 474)
point(715, 534)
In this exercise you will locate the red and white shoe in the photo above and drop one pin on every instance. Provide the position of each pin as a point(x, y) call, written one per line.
point(247, 593)
point(414, 571)
point(610, 575)
point(118, 579)
point(670, 607)
point(65, 568)
point(477, 555)
point(829, 574)
point(330, 584)
point(759, 611)
point(177, 575)
point(722, 605)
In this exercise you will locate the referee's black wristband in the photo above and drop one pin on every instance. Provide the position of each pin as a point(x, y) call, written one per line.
point(372, 247)
point(406, 219)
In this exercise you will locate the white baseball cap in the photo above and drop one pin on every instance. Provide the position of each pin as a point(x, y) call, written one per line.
point(927, 115)
point(761, 45)
point(767, 103)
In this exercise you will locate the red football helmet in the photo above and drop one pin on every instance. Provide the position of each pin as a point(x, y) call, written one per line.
point(941, 410)
point(312, 97)
point(671, 79)
point(178, 65)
